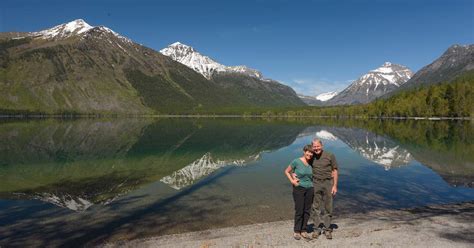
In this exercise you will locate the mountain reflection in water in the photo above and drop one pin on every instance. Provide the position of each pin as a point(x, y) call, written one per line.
point(77, 164)
point(377, 148)
point(128, 178)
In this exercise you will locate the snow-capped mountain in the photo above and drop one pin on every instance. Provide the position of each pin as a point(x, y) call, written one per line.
point(374, 84)
point(235, 79)
point(326, 96)
point(78, 28)
point(203, 64)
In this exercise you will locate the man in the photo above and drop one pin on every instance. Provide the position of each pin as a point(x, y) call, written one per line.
point(325, 188)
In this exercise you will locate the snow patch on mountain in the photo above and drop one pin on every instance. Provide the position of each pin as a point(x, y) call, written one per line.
point(71, 202)
point(203, 64)
point(326, 96)
point(75, 27)
point(325, 135)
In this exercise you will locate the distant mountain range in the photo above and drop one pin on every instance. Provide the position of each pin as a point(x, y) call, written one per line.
point(78, 68)
point(75, 67)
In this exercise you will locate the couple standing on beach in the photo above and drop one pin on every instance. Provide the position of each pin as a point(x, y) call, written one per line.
point(314, 179)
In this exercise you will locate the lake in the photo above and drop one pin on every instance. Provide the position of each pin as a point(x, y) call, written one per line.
point(86, 181)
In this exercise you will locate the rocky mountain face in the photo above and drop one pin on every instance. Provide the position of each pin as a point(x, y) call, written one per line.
point(372, 85)
point(242, 81)
point(455, 61)
point(77, 68)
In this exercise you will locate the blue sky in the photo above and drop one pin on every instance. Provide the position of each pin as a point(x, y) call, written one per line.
point(313, 46)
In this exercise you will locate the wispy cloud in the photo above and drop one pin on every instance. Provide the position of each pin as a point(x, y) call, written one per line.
point(314, 87)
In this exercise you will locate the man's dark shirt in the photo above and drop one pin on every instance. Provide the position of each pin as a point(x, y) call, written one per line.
point(323, 164)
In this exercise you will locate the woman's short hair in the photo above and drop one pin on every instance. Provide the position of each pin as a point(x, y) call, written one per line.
point(308, 148)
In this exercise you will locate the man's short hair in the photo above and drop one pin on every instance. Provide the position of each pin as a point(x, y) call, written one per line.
point(316, 140)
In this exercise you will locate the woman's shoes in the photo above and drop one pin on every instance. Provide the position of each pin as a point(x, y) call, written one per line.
point(297, 236)
point(304, 235)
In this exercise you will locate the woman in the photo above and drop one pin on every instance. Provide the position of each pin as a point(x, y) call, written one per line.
point(303, 192)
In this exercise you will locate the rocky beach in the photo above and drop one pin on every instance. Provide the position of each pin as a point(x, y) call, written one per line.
point(449, 225)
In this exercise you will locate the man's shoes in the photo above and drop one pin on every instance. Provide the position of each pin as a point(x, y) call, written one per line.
point(297, 236)
point(328, 234)
point(305, 235)
point(316, 234)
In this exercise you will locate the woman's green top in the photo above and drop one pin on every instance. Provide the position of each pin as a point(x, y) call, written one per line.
point(303, 172)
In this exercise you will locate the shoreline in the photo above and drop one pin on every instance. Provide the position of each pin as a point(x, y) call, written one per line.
point(116, 116)
point(447, 225)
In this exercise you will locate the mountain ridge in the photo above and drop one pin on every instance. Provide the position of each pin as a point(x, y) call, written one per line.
point(456, 60)
point(204, 65)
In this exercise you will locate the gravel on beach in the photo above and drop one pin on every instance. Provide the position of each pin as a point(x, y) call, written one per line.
point(449, 225)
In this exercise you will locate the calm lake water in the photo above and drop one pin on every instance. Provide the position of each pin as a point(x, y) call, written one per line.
point(86, 181)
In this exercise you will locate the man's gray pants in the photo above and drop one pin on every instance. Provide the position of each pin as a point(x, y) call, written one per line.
point(321, 210)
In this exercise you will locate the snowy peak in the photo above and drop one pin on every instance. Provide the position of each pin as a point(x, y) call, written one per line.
point(178, 49)
point(388, 73)
point(74, 28)
point(186, 55)
point(65, 30)
point(326, 96)
point(203, 64)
